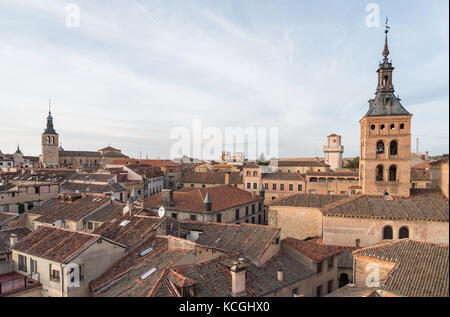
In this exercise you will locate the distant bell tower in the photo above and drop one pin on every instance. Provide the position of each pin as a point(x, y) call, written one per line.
point(333, 152)
point(50, 141)
point(385, 161)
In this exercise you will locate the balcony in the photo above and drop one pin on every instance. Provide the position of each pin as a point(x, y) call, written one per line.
point(12, 283)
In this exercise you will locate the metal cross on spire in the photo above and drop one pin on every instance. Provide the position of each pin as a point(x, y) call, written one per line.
point(49, 105)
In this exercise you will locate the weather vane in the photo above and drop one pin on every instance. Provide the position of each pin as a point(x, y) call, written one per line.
point(387, 26)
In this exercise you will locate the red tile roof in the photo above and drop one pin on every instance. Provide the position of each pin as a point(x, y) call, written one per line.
point(55, 244)
point(423, 204)
point(421, 268)
point(314, 248)
point(191, 199)
point(248, 240)
point(212, 177)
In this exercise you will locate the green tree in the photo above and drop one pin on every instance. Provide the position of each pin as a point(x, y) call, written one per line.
point(353, 163)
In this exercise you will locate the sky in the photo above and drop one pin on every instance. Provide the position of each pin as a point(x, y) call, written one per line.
point(131, 71)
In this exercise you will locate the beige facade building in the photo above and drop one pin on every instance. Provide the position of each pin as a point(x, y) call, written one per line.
point(64, 269)
point(20, 198)
point(439, 175)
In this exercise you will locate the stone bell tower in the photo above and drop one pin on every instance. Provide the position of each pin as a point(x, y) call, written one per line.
point(385, 161)
point(333, 151)
point(50, 141)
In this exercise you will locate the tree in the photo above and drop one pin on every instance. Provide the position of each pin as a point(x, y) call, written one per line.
point(353, 163)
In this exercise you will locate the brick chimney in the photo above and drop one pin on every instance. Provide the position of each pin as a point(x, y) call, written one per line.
point(167, 197)
point(238, 273)
point(227, 177)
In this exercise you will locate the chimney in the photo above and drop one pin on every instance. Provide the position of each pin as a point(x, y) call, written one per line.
point(280, 275)
point(12, 240)
point(227, 177)
point(238, 274)
point(207, 203)
point(167, 197)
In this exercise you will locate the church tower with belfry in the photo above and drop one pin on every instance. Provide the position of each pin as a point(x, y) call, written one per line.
point(385, 161)
point(50, 141)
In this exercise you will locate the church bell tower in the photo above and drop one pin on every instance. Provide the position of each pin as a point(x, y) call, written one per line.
point(385, 161)
point(50, 141)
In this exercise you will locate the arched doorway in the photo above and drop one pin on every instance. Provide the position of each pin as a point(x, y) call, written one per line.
point(343, 280)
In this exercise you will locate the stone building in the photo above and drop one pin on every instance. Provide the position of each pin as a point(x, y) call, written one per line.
point(385, 139)
point(333, 152)
point(53, 155)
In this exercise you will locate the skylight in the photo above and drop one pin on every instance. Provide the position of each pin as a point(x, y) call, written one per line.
point(153, 270)
point(145, 252)
point(124, 223)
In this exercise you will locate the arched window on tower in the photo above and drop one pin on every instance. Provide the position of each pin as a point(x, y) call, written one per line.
point(379, 173)
point(380, 147)
point(393, 173)
point(48, 140)
point(53, 140)
point(393, 148)
point(385, 80)
point(403, 233)
point(387, 233)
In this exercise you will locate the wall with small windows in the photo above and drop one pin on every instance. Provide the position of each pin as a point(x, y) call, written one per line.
point(345, 231)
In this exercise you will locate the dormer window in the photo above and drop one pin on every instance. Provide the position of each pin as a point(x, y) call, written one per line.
point(387, 101)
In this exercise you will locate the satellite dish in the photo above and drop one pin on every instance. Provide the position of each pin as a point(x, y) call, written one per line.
point(161, 212)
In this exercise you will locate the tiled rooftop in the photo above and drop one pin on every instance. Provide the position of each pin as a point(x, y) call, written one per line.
point(5, 234)
point(314, 248)
point(421, 268)
point(55, 244)
point(128, 229)
point(422, 205)
point(92, 188)
point(5, 217)
point(354, 291)
point(191, 199)
point(306, 200)
point(92, 177)
point(213, 278)
point(247, 240)
point(56, 209)
point(136, 275)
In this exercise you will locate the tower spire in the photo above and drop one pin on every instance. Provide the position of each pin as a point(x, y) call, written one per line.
point(49, 105)
point(386, 49)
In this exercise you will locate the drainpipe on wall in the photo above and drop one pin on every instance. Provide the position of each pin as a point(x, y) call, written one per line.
point(62, 281)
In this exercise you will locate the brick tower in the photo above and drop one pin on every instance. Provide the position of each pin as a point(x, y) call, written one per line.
point(385, 161)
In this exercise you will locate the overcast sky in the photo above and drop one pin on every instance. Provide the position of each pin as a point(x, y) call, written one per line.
point(135, 69)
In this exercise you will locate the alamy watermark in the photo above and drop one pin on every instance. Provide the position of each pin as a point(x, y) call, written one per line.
point(72, 15)
point(236, 143)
